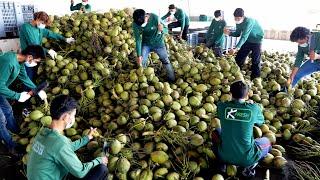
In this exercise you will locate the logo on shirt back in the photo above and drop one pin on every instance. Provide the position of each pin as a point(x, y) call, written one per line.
point(238, 114)
point(38, 148)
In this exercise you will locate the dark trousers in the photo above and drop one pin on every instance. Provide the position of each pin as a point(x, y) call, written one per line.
point(216, 50)
point(178, 24)
point(244, 51)
point(99, 172)
point(7, 122)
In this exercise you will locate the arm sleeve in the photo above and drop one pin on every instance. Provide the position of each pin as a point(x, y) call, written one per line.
point(88, 8)
point(182, 19)
point(25, 79)
point(165, 16)
point(49, 34)
point(69, 160)
point(312, 43)
point(80, 143)
point(237, 33)
point(209, 31)
point(74, 8)
point(245, 34)
point(299, 58)
point(260, 117)
point(137, 36)
point(27, 38)
point(220, 32)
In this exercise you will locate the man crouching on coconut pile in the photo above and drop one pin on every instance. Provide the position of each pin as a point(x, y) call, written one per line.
point(53, 154)
point(309, 44)
point(151, 29)
point(11, 68)
point(236, 144)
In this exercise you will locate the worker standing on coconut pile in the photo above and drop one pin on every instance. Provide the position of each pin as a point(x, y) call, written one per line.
point(309, 44)
point(215, 35)
point(53, 155)
point(236, 144)
point(177, 18)
point(31, 33)
point(152, 32)
point(84, 6)
point(251, 37)
point(11, 68)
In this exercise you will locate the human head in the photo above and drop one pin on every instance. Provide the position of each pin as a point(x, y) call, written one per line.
point(238, 15)
point(63, 109)
point(239, 90)
point(300, 35)
point(41, 19)
point(139, 17)
point(33, 54)
point(218, 14)
point(172, 8)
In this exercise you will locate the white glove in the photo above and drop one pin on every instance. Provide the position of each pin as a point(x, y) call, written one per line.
point(52, 53)
point(24, 96)
point(42, 94)
point(317, 56)
point(70, 40)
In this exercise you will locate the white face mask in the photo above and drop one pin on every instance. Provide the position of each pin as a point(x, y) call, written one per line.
point(72, 120)
point(70, 124)
point(84, 3)
point(32, 64)
point(172, 12)
point(144, 24)
point(217, 19)
point(41, 26)
point(304, 45)
point(239, 22)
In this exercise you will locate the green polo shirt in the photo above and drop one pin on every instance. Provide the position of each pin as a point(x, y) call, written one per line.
point(215, 34)
point(237, 143)
point(11, 69)
point(53, 156)
point(250, 30)
point(149, 34)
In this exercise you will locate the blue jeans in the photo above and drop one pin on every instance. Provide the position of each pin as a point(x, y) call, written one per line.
point(306, 69)
point(7, 122)
point(264, 145)
point(163, 55)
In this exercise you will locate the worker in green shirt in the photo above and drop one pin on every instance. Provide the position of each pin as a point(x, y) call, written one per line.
point(11, 68)
point(53, 156)
point(31, 33)
point(250, 41)
point(215, 35)
point(149, 34)
point(237, 118)
point(84, 6)
point(308, 44)
point(176, 17)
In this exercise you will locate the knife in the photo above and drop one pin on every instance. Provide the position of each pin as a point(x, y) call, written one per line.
point(41, 86)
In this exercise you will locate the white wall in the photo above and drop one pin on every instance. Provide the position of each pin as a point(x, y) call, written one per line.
point(272, 14)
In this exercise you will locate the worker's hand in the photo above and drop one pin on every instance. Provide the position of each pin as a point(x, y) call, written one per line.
point(70, 40)
point(24, 96)
point(72, 1)
point(160, 27)
point(232, 51)
point(92, 132)
point(316, 56)
point(139, 60)
point(180, 36)
point(312, 55)
point(289, 81)
point(52, 54)
point(226, 31)
point(43, 95)
point(105, 160)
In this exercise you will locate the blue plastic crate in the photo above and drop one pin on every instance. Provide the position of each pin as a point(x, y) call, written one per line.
point(193, 39)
